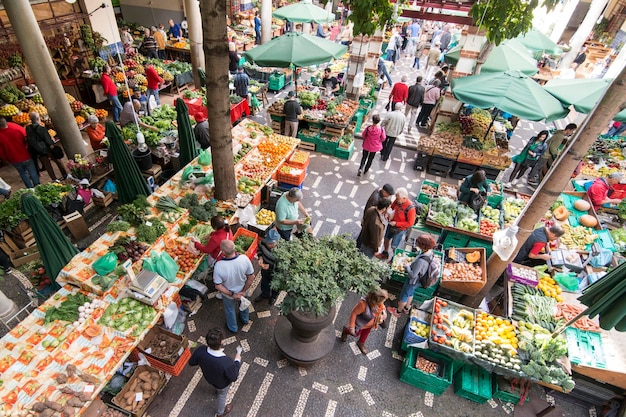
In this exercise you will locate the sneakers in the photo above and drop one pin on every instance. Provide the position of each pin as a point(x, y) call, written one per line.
point(383, 255)
point(394, 311)
point(344, 334)
point(362, 348)
point(227, 410)
point(219, 295)
point(358, 174)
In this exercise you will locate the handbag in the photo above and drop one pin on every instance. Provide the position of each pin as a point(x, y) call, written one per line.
point(388, 105)
point(476, 201)
point(57, 152)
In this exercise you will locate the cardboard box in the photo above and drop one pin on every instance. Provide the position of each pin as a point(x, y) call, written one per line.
point(157, 331)
point(119, 401)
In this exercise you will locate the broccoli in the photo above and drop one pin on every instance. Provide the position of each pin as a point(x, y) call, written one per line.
point(150, 234)
point(118, 226)
point(142, 202)
point(199, 213)
point(189, 200)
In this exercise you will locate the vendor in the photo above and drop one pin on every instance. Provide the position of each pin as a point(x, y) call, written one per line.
point(129, 115)
point(287, 208)
point(96, 132)
point(143, 100)
point(201, 131)
point(535, 251)
point(330, 82)
point(602, 188)
point(473, 190)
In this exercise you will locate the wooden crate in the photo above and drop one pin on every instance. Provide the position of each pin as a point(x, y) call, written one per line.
point(118, 400)
point(335, 131)
point(105, 201)
point(467, 287)
point(306, 146)
point(23, 235)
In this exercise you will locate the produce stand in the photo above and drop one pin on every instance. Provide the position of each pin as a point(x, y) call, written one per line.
point(34, 353)
point(237, 111)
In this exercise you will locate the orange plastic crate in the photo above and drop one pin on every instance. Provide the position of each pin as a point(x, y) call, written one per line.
point(251, 251)
point(295, 177)
point(296, 164)
point(175, 369)
point(256, 200)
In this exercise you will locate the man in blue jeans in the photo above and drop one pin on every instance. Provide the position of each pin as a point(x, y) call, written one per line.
point(232, 276)
point(218, 369)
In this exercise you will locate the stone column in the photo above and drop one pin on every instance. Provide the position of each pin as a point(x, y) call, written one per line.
point(194, 22)
point(42, 68)
point(561, 19)
point(583, 31)
point(266, 21)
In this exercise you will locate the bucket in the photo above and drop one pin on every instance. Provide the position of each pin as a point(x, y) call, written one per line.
point(143, 159)
point(167, 174)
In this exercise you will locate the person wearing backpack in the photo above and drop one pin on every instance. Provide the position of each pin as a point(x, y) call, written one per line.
point(373, 138)
point(40, 145)
point(403, 218)
point(422, 272)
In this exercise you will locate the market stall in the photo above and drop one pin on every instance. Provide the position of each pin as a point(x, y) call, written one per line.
point(76, 332)
point(239, 107)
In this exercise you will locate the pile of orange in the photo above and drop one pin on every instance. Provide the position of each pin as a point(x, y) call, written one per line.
point(185, 259)
point(495, 329)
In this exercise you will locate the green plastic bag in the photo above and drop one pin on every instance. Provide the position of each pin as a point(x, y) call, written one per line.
point(166, 266)
point(567, 281)
point(256, 104)
point(205, 158)
point(106, 264)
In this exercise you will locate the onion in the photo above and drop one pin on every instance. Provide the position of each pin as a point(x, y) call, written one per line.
point(81, 309)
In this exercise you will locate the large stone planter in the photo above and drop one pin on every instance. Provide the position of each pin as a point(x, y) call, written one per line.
point(304, 338)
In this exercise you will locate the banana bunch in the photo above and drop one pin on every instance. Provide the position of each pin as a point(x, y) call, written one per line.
point(577, 237)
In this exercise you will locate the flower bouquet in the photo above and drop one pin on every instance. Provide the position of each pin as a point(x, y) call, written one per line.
point(80, 167)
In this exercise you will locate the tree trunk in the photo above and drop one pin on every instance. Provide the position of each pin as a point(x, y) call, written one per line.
point(215, 45)
point(482, 56)
point(583, 31)
point(613, 101)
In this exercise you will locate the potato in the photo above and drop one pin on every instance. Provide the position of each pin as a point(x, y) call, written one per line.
point(39, 407)
point(68, 411)
point(61, 379)
point(74, 402)
point(53, 405)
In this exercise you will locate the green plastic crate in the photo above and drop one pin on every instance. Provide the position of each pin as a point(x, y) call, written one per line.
point(277, 82)
point(396, 275)
point(425, 198)
point(309, 138)
point(506, 396)
point(343, 153)
point(473, 383)
point(478, 243)
point(585, 348)
point(326, 147)
point(436, 383)
point(455, 240)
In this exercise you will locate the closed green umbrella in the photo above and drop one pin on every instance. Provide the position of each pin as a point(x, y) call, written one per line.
point(606, 298)
point(304, 11)
point(128, 179)
point(295, 48)
point(540, 43)
point(55, 248)
point(582, 93)
point(186, 137)
point(510, 55)
point(510, 91)
point(202, 76)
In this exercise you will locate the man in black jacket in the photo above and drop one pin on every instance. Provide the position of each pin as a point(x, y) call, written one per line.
point(267, 263)
point(292, 110)
point(40, 145)
point(416, 97)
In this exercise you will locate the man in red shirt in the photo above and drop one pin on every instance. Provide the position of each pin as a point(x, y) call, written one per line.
point(154, 82)
point(404, 214)
point(110, 90)
point(601, 189)
point(400, 92)
point(13, 149)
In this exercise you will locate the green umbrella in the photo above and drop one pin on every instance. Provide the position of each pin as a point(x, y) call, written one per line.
point(54, 247)
point(128, 178)
point(605, 298)
point(402, 19)
point(186, 137)
point(511, 91)
point(582, 93)
point(304, 11)
point(538, 42)
point(452, 56)
point(202, 76)
point(295, 48)
point(510, 55)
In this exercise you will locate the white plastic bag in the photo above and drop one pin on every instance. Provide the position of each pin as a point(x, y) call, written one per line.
point(152, 104)
point(4, 185)
point(244, 303)
point(170, 314)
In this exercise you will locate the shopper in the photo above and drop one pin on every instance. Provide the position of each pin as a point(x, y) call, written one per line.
point(257, 28)
point(601, 190)
point(373, 139)
point(380, 194)
point(14, 150)
point(159, 37)
point(549, 156)
point(368, 314)
point(96, 132)
point(403, 218)
point(419, 52)
point(616, 129)
point(393, 48)
point(526, 159)
point(201, 131)
point(433, 59)
point(383, 72)
point(218, 369)
point(155, 82)
point(373, 227)
point(40, 145)
point(129, 115)
point(267, 263)
point(432, 93)
point(233, 276)
point(473, 190)
point(127, 39)
point(446, 36)
point(233, 58)
point(292, 110)
point(399, 93)
point(414, 35)
point(287, 208)
point(221, 231)
point(149, 45)
point(241, 83)
point(536, 250)
point(393, 125)
point(110, 90)
point(423, 272)
point(414, 101)
point(346, 35)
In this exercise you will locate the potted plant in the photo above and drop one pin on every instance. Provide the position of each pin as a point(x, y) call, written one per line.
point(316, 274)
point(80, 167)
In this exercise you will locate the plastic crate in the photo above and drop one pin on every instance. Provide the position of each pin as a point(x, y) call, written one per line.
point(174, 369)
point(522, 280)
point(473, 383)
point(277, 82)
point(397, 275)
point(277, 117)
point(479, 243)
point(455, 240)
point(425, 198)
point(505, 394)
point(343, 153)
point(585, 348)
point(327, 148)
point(297, 164)
point(295, 176)
point(605, 240)
point(251, 251)
point(158, 332)
point(409, 337)
point(436, 383)
point(309, 136)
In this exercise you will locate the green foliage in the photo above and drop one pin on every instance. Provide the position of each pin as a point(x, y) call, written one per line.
point(118, 226)
point(368, 15)
point(11, 213)
point(150, 234)
point(316, 273)
point(506, 19)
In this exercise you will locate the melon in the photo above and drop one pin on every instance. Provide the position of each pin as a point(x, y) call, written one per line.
point(582, 205)
point(588, 220)
point(561, 213)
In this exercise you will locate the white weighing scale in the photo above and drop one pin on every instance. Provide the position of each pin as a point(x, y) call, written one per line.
point(147, 287)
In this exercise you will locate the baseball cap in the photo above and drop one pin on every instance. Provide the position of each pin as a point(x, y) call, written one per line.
point(389, 189)
point(272, 236)
point(84, 181)
point(291, 93)
point(199, 118)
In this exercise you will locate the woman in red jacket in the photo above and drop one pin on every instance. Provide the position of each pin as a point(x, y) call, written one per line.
point(221, 231)
point(368, 314)
point(110, 90)
point(399, 93)
point(154, 82)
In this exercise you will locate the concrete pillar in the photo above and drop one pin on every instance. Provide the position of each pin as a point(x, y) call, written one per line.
point(562, 14)
point(194, 22)
point(42, 68)
point(617, 65)
point(266, 21)
point(583, 31)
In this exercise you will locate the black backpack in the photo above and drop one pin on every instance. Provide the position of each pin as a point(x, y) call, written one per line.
point(36, 141)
